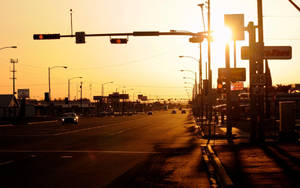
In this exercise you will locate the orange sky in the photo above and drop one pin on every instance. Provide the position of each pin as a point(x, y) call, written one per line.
point(146, 65)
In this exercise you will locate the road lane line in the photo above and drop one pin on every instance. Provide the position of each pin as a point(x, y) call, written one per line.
point(7, 125)
point(70, 132)
point(6, 162)
point(80, 151)
point(66, 156)
point(41, 122)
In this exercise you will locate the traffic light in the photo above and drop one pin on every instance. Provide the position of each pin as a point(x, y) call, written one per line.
point(46, 36)
point(80, 37)
point(219, 86)
point(119, 41)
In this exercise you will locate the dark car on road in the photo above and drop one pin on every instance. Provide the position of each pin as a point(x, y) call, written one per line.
point(69, 117)
point(150, 113)
point(183, 111)
point(173, 112)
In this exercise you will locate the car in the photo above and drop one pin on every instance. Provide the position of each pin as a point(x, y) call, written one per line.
point(150, 113)
point(183, 111)
point(173, 111)
point(69, 117)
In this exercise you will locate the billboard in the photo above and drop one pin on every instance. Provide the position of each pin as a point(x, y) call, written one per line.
point(23, 93)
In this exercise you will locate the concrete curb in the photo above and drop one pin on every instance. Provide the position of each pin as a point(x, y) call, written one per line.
point(221, 174)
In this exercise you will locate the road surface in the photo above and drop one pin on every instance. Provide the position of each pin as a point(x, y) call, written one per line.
point(158, 150)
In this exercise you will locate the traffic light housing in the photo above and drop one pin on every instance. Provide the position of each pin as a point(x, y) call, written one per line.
point(80, 37)
point(119, 41)
point(46, 36)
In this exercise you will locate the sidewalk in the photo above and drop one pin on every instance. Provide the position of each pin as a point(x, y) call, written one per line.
point(272, 164)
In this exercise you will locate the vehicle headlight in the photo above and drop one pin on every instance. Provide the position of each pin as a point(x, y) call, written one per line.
point(63, 119)
point(75, 119)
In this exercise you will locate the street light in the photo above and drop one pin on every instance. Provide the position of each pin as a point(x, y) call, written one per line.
point(193, 72)
point(49, 71)
point(8, 47)
point(69, 85)
point(200, 68)
point(103, 87)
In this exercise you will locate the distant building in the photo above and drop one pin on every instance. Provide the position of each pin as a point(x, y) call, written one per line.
point(9, 106)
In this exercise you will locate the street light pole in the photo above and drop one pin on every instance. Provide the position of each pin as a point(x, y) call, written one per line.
point(49, 76)
point(69, 86)
point(8, 47)
point(102, 91)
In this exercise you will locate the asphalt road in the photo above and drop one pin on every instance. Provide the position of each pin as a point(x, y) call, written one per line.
point(137, 151)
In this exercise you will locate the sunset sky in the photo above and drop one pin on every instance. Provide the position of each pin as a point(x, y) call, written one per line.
point(148, 65)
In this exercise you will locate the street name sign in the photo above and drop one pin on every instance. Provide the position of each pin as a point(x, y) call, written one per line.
point(270, 52)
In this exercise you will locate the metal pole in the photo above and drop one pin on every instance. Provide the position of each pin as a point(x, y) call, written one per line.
point(49, 83)
point(206, 70)
point(252, 73)
point(14, 75)
point(102, 89)
point(208, 46)
point(71, 21)
point(260, 63)
point(69, 82)
point(200, 69)
point(81, 96)
point(234, 51)
point(228, 95)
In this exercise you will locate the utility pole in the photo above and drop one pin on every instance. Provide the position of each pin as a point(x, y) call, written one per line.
point(209, 62)
point(81, 96)
point(49, 83)
point(14, 74)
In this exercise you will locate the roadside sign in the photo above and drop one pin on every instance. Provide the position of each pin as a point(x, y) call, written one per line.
point(270, 52)
point(23, 93)
point(237, 86)
point(232, 74)
point(236, 23)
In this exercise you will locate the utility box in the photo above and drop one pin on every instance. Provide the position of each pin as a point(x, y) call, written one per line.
point(287, 115)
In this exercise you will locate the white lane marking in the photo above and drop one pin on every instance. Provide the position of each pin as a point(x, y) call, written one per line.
point(72, 131)
point(66, 156)
point(41, 122)
point(62, 133)
point(8, 125)
point(79, 151)
point(6, 162)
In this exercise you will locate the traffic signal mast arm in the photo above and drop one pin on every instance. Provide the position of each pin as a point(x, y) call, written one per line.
point(135, 33)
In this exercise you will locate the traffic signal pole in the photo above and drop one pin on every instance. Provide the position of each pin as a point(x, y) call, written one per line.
point(260, 69)
point(228, 95)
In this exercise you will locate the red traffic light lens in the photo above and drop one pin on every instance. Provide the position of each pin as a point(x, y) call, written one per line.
point(119, 41)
